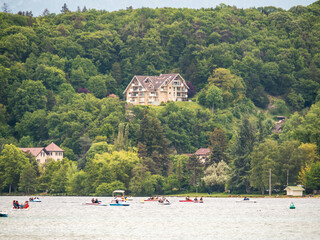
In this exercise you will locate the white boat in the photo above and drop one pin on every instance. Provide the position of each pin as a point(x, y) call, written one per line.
point(119, 200)
point(96, 204)
point(34, 200)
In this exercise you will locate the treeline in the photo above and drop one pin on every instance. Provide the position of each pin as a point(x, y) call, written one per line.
point(62, 76)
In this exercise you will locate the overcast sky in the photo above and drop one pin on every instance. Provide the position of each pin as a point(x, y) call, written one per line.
point(54, 6)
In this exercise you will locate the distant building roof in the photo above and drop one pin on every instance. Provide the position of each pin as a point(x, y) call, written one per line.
point(294, 188)
point(52, 147)
point(34, 151)
point(203, 151)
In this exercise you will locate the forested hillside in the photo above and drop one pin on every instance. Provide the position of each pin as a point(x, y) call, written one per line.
point(62, 78)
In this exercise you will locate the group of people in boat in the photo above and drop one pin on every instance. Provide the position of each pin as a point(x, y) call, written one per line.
point(196, 199)
point(16, 205)
point(94, 200)
point(33, 198)
point(163, 200)
point(153, 198)
point(246, 198)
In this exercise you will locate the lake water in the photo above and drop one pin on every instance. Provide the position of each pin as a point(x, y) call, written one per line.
point(216, 218)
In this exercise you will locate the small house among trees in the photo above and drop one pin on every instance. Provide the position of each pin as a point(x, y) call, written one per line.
point(294, 191)
point(153, 90)
point(51, 151)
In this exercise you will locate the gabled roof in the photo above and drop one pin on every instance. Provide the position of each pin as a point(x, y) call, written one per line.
point(34, 151)
point(294, 188)
point(203, 151)
point(52, 147)
point(156, 81)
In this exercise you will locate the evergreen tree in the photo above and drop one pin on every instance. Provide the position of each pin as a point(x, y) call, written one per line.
point(240, 151)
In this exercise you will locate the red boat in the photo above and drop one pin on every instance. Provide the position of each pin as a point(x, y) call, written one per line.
point(186, 200)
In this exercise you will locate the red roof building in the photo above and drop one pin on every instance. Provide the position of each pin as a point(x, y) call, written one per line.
point(52, 151)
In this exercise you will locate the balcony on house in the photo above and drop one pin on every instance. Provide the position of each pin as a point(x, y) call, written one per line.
point(176, 83)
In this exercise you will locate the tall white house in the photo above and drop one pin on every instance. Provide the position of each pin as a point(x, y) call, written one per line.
point(153, 90)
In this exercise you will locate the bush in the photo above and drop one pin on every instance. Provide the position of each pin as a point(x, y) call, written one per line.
point(106, 189)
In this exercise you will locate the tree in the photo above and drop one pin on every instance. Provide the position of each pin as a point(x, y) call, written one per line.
point(152, 136)
point(214, 97)
point(194, 166)
point(65, 9)
point(106, 189)
point(76, 185)
point(231, 85)
point(29, 97)
point(5, 8)
point(313, 176)
point(45, 12)
point(239, 153)
point(217, 175)
point(97, 86)
point(218, 146)
point(28, 179)
point(262, 158)
point(12, 162)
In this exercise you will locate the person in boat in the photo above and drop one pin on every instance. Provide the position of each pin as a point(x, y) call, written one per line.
point(92, 200)
point(15, 205)
point(195, 199)
point(26, 204)
point(201, 199)
point(117, 201)
point(167, 200)
point(96, 201)
point(245, 198)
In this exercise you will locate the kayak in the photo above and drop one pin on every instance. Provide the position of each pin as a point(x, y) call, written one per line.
point(198, 201)
point(35, 200)
point(165, 203)
point(120, 204)
point(3, 214)
point(186, 200)
point(96, 204)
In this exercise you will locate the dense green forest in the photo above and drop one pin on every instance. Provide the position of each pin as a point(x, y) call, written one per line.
point(62, 79)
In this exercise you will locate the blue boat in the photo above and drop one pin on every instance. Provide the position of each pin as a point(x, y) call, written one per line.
point(3, 214)
point(120, 204)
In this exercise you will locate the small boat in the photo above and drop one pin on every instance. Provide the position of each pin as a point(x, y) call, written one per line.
point(119, 204)
point(164, 203)
point(151, 200)
point(3, 214)
point(20, 209)
point(34, 200)
point(190, 200)
point(246, 201)
point(119, 200)
point(96, 204)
